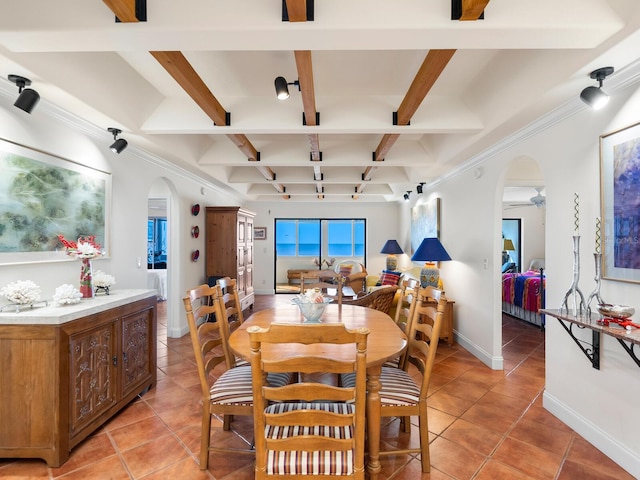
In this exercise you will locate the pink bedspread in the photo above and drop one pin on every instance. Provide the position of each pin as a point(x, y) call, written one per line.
point(523, 290)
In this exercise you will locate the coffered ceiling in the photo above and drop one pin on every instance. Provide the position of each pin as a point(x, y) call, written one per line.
point(392, 93)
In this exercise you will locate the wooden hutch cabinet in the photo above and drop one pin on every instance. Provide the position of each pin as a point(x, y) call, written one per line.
point(65, 374)
point(229, 248)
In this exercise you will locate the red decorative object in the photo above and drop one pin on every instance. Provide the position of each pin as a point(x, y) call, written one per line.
point(195, 255)
point(195, 209)
point(195, 231)
point(86, 280)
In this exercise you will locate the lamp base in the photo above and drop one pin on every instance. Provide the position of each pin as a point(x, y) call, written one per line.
point(392, 263)
point(430, 276)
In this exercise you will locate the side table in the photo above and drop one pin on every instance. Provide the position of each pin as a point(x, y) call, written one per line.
point(447, 327)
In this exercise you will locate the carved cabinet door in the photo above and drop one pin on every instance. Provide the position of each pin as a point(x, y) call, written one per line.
point(92, 368)
point(137, 348)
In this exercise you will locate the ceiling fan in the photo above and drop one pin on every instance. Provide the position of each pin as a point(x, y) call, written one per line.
point(538, 200)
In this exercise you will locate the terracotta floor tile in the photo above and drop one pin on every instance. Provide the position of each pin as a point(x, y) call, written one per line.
point(186, 469)
point(544, 436)
point(448, 403)
point(134, 412)
point(182, 416)
point(537, 413)
point(583, 453)
point(528, 459)
point(472, 437)
point(109, 468)
point(153, 456)
point(462, 389)
point(95, 447)
point(572, 470)
point(493, 470)
point(28, 469)
point(454, 459)
point(138, 433)
point(413, 471)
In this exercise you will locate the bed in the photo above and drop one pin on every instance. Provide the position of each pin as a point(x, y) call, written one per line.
point(523, 294)
point(157, 280)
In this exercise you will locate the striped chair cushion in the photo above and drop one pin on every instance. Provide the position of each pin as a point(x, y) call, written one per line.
point(315, 462)
point(233, 387)
point(393, 363)
point(398, 388)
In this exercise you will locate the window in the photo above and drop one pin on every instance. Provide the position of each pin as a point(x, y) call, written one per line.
point(320, 238)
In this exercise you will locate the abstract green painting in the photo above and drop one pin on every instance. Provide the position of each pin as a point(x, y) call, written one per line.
point(43, 196)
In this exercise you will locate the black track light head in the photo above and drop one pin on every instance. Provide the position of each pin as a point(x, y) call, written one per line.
point(595, 97)
point(27, 98)
point(120, 143)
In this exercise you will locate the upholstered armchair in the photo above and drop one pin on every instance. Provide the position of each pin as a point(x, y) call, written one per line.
point(354, 273)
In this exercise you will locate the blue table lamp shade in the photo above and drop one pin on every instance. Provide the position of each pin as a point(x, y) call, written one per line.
point(391, 248)
point(430, 251)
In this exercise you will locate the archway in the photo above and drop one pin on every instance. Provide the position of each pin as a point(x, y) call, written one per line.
point(523, 231)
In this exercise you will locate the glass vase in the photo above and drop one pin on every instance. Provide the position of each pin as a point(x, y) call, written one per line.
point(86, 280)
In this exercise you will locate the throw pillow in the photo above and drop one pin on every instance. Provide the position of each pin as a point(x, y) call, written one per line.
point(389, 278)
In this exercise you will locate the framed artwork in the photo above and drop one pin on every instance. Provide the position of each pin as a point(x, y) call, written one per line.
point(43, 196)
point(425, 222)
point(259, 233)
point(620, 199)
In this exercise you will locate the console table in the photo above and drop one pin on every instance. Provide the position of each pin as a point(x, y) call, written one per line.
point(67, 369)
point(628, 339)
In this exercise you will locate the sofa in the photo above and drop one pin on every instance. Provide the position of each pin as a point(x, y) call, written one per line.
point(412, 273)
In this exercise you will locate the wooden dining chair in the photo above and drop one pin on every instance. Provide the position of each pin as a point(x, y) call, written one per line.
point(324, 280)
point(407, 300)
point(380, 299)
point(226, 391)
point(230, 301)
point(400, 395)
point(296, 434)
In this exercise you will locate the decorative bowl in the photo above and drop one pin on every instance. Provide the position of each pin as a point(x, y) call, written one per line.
point(615, 311)
point(312, 311)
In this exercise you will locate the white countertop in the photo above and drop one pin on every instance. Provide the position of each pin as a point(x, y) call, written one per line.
point(59, 314)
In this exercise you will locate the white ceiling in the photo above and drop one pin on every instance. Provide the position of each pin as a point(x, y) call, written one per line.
point(524, 59)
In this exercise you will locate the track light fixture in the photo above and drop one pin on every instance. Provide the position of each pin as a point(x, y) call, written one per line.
point(419, 188)
point(595, 97)
point(282, 87)
point(120, 143)
point(406, 195)
point(28, 98)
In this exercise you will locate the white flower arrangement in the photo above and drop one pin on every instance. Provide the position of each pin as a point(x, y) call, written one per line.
point(103, 280)
point(67, 295)
point(21, 292)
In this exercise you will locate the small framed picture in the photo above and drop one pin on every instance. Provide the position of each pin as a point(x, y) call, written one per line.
point(259, 233)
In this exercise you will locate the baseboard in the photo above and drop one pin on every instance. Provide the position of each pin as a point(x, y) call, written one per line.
point(494, 363)
point(608, 445)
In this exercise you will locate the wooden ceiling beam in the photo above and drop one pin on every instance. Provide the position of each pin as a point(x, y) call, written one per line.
point(388, 139)
point(431, 68)
point(307, 90)
point(181, 70)
point(125, 10)
point(472, 9)
point(241, 141)
point(297, 10)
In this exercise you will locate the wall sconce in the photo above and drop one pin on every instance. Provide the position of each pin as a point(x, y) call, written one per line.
point(419, 188)
point(28, 98)
point(595, 97)
point(406, 195)
point(120, 143)
point(282, 87)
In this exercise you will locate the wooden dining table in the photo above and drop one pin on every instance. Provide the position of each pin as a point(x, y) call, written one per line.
point(386, 341)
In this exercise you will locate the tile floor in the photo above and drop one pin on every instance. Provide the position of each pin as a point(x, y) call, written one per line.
point(484, 425)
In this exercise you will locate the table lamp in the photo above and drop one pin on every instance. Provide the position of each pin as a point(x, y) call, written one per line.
point(507, 246)
point(391, 248)
point(430, 251)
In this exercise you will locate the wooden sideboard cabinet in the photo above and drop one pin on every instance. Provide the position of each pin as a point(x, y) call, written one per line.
point(60, 382)
point(229, 248)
